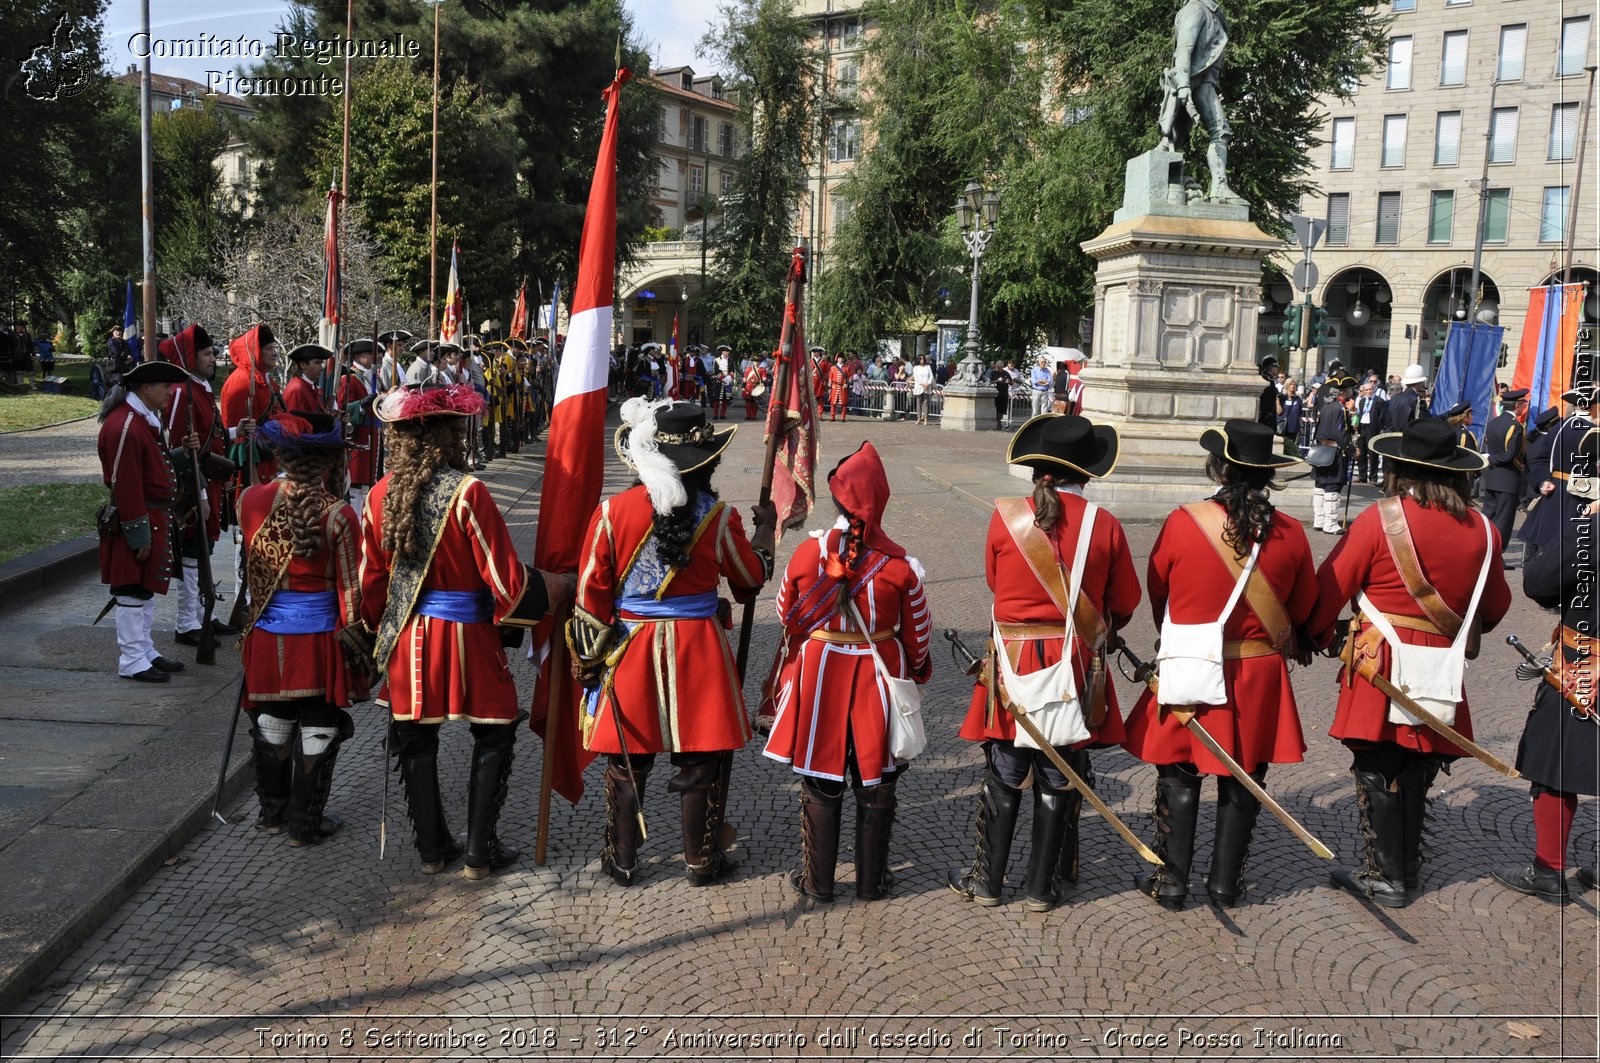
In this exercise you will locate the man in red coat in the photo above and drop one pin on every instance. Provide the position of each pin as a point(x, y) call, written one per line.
point(250, 397)
point(308, 362)
point(357, 392)
point(136, 558)
point(193, 409)
point(1422, 584)
point(648, 635)
point(1031, 543)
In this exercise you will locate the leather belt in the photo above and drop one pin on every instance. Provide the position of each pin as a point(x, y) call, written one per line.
point(1032, 631)
point(1410, 623)
point(1557, 474)
point(850, 638)
point(1577, 640)
point(1237, 649)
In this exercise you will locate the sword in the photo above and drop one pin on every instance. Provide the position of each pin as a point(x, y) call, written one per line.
point(1146, 674)
point(227, 754)
point(1369, 672)
point(1581, 708)
point(970, 666)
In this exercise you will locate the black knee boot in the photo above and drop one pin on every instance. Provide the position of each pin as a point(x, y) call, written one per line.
point(1237, 809)
point(1415, 782)
point(997, 821)
point(492, 754)
point(875, 806)
point(416, 747)
point(274, 770)
point(1067, 866)
point(699, 782)
point(1050, 812)
point(1177, 808)
point(309, 824)
point(821, 809)
point(1381, 878)
point(620, 857)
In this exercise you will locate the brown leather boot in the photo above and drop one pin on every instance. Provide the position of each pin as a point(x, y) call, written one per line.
point(820, 815)
point(875, 806)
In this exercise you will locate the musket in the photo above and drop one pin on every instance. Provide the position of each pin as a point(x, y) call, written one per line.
point(1146, 674)
point(1370, 673)
point(971, 664)
point(227, 752)
point(1581, 707)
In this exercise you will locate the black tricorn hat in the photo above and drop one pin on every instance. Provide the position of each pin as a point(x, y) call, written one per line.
point(1247, 443)
point(683, 435)
point(1067, 441)
point(1430, 441)
point(1582, 395)
point(361, 346)
point(309, 352)
point(394, 335)
point(154, 372)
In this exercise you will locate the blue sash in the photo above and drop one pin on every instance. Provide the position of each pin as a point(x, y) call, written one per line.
point(300, 613)
point(463, 607)
point(685, 607)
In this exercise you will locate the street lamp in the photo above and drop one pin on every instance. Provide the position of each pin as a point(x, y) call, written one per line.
point(978, 209)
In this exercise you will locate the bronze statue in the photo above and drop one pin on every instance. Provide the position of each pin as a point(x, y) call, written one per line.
point(1189, 89)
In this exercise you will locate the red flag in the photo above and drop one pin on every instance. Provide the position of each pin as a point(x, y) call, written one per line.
point(328, 326)
point(519, 315)
point(576, 449)
point(672, 362)
point(794, 414)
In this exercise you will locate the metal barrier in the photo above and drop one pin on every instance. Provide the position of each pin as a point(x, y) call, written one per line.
point(894, 401)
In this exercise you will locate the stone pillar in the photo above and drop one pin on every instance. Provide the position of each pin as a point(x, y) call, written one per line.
point(1176, 292)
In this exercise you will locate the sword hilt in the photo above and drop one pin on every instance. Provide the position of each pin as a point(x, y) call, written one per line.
point(1533, 666)
point(1142, 671)
point(968, 662)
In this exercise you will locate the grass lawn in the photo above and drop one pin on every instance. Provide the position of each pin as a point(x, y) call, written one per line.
point(35, 409)
point(39, 515)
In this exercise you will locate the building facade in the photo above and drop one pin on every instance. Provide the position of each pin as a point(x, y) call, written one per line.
point(236, 165)
point(1471, 89)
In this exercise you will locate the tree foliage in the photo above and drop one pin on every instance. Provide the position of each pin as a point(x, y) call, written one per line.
point(766, 53)
point(192, 217)
point(1047, 100)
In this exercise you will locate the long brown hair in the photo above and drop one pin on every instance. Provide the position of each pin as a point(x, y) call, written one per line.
point(305, 495)
point(417, 450)
point(1242, 490)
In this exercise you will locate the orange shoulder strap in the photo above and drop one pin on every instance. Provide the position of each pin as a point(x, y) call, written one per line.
point(1258, 591)
point(1047, 568)
point(1404, 552)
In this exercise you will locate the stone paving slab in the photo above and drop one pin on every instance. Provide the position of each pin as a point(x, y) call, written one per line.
point(248, 948)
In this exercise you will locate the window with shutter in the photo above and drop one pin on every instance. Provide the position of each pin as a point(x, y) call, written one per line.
point(1447, 139)
point(1563, 132)
point(1338, 219)
point(1503, 135)
point(1399, 76)
point(1513, 46)
point(1574, 46)
point(1394, 140)
point(1497, 215)
point(1344, 144)
point(1441, 217)
point(1388, 217)
point(1553, 216)
point(1453, 61)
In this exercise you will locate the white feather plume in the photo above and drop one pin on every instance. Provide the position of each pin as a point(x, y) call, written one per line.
point(656, 471)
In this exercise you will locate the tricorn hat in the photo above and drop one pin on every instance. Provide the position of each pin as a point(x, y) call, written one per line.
point(309, 352)
point(1429, 441)
point(154, 372)
point(358, 347)
point(1065, 441)
point(393, 336)
point(1246, 443)
point(1582, 395)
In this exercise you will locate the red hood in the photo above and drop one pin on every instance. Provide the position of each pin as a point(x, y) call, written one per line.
point(860, 485)
point(180, 349)
point(245, 352)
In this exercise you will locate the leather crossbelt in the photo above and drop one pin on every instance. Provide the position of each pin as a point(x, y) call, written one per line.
point(850, 638)
point(1410, 623)
point(1238, 649)
point(1577, 640)
point(1031, 631)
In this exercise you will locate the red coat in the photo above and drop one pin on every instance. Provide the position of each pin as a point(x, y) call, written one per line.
point(1109, 581)
point(249, 392)
point(364, 458)
point(829, 691)
point(301, 394)
point(193, 405)
point(143, 485)
point(286, 667)
point(1260, 724)
point(675, 684)
point(441, 669)
point(1451, 553)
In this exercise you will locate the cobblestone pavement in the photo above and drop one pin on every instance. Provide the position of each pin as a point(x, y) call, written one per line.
point(248, 948)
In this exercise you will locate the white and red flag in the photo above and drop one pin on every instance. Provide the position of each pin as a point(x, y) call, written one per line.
point(575, 453)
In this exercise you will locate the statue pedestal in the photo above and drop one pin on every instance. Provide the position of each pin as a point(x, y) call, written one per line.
point(1176, 293)
point(967, 407)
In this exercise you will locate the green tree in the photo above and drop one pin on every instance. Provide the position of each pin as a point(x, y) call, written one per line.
point(1048, 99)
point(391, 131)
point(766, 52)
point(192, 218)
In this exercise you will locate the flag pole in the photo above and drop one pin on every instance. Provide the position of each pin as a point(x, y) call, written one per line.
point(780, 393)
point(433, 208)
point(344, 166)
point(147, 326)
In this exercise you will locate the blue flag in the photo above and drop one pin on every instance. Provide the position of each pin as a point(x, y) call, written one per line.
point(1466, 373)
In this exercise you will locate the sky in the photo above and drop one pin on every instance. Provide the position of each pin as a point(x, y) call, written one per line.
point(672, 29)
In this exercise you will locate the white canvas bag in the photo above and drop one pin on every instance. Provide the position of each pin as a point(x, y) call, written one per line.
point(1432, 676)
point(906, 734)
point(1049, 697)
point(1189, 663)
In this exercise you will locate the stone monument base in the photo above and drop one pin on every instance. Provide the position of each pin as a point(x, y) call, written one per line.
point(967, 408)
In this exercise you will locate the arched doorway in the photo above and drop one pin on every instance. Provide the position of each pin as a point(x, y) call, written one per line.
point(1359, 305)
point(1448, 298)
point(1591, 299)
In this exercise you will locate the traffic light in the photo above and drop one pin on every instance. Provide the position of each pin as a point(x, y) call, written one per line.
point(1289, 338)
point(1319, 321)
